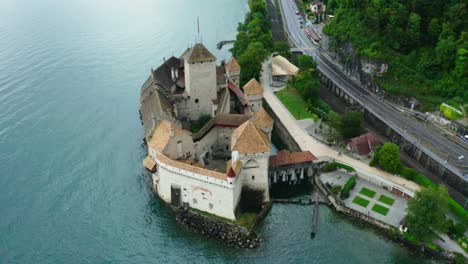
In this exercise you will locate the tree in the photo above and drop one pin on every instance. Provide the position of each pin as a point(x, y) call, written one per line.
point(389, 157)
point(433, 29)
point(283, 49)
point(333, 120)
point(306, 63)
point(251, 61)
point(307, 85)
point(414, 29)
point(351, 124)
point(426, 212)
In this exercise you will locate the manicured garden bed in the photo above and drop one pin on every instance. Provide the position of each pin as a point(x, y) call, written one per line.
point(367, 192)
point(386, 200)
point(380, 209)
point(361, 201)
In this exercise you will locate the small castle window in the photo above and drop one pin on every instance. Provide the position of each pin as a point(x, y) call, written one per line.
point(211, 206)
point(253, 177)
point(194, 201)
point(196, 101)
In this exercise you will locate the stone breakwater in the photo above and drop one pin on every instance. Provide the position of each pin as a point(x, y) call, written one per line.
point(232, 235)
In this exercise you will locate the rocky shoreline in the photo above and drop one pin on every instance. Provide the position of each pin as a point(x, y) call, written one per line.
point(233, 235)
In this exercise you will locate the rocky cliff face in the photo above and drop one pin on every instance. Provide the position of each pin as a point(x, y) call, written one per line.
point(364, 71)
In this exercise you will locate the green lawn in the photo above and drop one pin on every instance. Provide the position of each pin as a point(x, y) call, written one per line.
point(380, 209)
point(367, 192)
point(361, 201)
point(386, 200)
point(294, 103)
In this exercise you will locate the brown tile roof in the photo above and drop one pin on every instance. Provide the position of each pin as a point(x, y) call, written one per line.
point(198, 53)
point(364, 143)
point(162, 135)
point(149, 164)
point(262, 119)
point(233, 65)
point(284, 157)
point(153, 103)
point(191, 168)
point(248, 139)
point(224, 120)
point(253, 88)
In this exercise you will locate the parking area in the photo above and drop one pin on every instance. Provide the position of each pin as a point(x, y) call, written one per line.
point(370, 199)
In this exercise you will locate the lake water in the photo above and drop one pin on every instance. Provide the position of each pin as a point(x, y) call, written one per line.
point(72, 187)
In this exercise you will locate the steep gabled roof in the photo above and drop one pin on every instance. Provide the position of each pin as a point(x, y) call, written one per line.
point(162, 75)
point(262, 119)
point(233, 65)
point(253, 88)
point(364, 144)
point(198, 53)
point(162, 135)
point(153, 104)
point(247, 139)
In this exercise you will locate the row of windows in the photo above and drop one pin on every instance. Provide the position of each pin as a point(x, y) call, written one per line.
point(222, 186)
point(209, 205)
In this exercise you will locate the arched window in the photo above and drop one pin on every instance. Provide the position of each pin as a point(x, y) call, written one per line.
point(194, 201)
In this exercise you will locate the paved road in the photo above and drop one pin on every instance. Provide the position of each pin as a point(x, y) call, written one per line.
point(307, 142)
point(429, 141)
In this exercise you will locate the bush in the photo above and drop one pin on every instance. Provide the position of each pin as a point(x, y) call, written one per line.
point(333, 166)
point(335, 190)
point(349, 185)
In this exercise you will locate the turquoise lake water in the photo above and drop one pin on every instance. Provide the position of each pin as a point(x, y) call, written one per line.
point(72, 187)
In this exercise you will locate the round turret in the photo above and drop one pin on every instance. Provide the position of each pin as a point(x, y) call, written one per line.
point(231, 176)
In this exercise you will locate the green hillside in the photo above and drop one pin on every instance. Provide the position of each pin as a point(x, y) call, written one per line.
point(424, 42)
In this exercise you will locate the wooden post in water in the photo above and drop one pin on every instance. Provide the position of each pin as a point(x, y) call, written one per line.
point(315, 219)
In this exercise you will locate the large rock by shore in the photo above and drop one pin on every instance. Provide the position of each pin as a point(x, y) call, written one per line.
point(231, 234)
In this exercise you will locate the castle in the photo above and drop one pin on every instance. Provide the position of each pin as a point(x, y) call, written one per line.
point(224, 164)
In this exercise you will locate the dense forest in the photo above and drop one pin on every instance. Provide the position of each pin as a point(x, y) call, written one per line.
point(424, 42)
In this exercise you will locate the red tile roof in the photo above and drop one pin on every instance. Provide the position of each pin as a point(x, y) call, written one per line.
point(284, 157)
point(364, 144)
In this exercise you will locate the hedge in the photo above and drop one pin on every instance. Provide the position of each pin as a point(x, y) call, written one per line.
point(349, 185)
point(333, 166)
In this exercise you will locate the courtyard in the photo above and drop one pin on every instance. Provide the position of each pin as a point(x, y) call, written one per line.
point(370, 199)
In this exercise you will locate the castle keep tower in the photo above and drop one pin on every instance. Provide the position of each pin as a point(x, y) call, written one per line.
point(200, 80)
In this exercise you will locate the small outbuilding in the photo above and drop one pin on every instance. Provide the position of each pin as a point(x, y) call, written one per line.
point(364, 144)
point(282, 70)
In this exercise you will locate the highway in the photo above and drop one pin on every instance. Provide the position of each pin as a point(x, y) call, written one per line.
point(436, 145)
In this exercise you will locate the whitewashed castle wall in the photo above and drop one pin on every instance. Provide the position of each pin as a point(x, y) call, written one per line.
point(254, 172)
point(200, 192)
